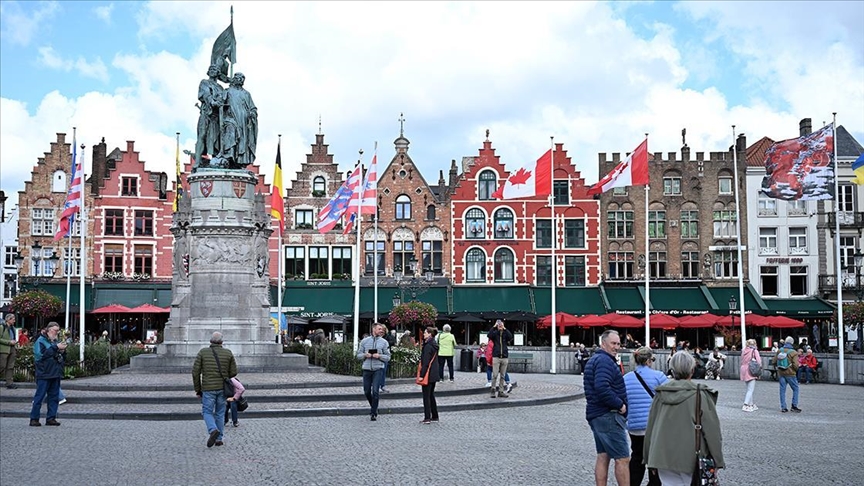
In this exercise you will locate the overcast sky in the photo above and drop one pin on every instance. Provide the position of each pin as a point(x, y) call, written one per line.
point(597, 77)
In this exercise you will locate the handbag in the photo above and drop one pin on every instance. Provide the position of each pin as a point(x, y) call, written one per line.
point(242, 404)
point(754, 367)
point(705, 472)
point(227, 385)
point(424, 380)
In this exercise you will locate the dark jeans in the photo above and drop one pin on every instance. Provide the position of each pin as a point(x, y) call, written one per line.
point(441, 361)
point(430, 407)
point(384, 376)
point(232, 409)
point(637, 469)
point(371, 386)
point(52, 389)
point(582, 363)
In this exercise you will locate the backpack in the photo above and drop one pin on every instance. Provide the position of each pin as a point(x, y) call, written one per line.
point(783, 359)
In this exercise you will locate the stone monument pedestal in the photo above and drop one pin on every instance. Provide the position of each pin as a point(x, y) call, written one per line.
point(221, 280)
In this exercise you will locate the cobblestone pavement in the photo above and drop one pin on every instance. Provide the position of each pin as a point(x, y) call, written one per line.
point(548, 444)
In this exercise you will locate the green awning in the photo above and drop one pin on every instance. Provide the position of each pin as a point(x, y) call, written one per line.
point(437, 296)
point(491, 298)
point(721, 296)
point(572, 300)
point(313, 302)
point(132, 295)
point(624, 300)
point(679, 301)
point(59, 290)
point(796, 308)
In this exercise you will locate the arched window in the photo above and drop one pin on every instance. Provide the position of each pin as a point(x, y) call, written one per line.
point(403, 207)
point(475, 224)
point(319, 186)
point(504, 265)
point(486, 185)
point(430, 212)
point(503, 223)
point(475, 265)
point(58, 181)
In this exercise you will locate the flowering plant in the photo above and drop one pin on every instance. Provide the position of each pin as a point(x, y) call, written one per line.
point(140, 276)
point(413, 313)
point(852, 313)
point(112, 275)
point(36, 303)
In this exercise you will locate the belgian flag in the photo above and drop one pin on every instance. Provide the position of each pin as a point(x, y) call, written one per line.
point(277, 205)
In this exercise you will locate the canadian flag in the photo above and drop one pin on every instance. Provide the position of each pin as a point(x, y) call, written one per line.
point(529, 181)
point(632, 171)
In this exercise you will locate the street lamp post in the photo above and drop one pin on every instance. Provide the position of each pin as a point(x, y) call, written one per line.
point(733, 306)
point(859, 294)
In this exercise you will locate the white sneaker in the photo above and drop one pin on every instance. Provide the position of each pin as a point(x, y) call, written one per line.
point(488, 384)
point(61, 402)
point(754, 407)
point(508, 388)
point(746, 408)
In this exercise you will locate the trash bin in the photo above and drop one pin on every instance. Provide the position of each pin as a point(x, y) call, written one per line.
point(466, 360)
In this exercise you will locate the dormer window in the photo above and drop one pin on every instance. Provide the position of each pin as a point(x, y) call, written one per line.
point(129, 186)
point(319, 187)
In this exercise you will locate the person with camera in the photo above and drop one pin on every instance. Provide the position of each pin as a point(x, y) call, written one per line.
point(49, 356)
point(429, 368)
point(500, 337)
point(374, 352)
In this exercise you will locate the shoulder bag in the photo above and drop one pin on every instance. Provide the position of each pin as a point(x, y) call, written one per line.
point(424, 380)
point(242, 404)
point(645, 385)
point(754, 367)
point(705, 473)
point(227, 386)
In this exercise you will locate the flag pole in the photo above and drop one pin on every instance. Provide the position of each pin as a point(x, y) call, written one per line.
point(68, 256)
point(280, 280)
point(358, 191)
point(738, 238)
point(375, 251)
point(554, 244)
point(647, 268)
point(82, 271)
point(841, 338)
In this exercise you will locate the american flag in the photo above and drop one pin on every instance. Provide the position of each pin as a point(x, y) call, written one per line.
point(330, 214)
point(73, 198)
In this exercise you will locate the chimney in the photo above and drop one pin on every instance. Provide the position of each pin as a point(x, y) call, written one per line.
point(805, 127)
point(741, 146)
point(100, 166)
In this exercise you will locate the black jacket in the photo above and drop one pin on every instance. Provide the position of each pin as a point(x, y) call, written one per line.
point(430, 349)
point(501, 340)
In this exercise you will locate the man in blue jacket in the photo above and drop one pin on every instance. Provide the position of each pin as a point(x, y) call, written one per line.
point(49, 356)
point(606, 410)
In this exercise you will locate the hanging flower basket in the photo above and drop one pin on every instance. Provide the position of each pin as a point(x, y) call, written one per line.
point(36, 303)
point(413, 313)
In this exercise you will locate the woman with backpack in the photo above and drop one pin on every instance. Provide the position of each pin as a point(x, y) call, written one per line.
point(750, 371)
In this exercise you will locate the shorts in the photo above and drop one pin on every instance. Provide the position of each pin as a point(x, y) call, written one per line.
point(610, 435)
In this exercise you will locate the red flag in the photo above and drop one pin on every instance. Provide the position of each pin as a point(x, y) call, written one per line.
point(632, 171)
point(532, 180)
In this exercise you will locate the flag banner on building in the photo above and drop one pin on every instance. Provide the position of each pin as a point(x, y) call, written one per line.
point(277, 204)
point(368, 201)
point(632, 171)
point(355, 186)
point(330, 214)
point(178, 183)
point(801, 168)
point(73, 198)
point(858, 170)
point(532, 180)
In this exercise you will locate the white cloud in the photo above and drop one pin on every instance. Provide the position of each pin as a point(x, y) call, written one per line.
point(96, 69)
point(526, 71)
point(103, 12)
point(19, 28)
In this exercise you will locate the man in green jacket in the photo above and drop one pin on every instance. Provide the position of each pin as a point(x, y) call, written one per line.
point(212, 366)
point(446, 348)
point(8, 341)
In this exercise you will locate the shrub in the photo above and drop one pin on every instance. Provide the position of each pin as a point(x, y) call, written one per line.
point(99, 359)
point(36, 303)
point(340, 359)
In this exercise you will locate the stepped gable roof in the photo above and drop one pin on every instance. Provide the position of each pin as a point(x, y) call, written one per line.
point(847, 146)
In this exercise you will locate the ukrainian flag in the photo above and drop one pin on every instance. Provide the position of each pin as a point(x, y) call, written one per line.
point(858, 170)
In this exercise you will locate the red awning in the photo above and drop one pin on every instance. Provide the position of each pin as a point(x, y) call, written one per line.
point(562, 319)
point(112, 309)
point(663, 321)
point(623, 320)
point(592, 320)
point(149, 309)
point(698, 321)
point(782, 322)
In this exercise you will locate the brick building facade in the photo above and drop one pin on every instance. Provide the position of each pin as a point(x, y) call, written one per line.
point(510, 242)
point(691, 219)
point(309, 254)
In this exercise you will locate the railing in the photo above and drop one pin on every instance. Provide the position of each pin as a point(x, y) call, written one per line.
point(848, 282)
point(848, 219)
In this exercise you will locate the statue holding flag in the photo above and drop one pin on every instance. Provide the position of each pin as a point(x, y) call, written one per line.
point(228, 121)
